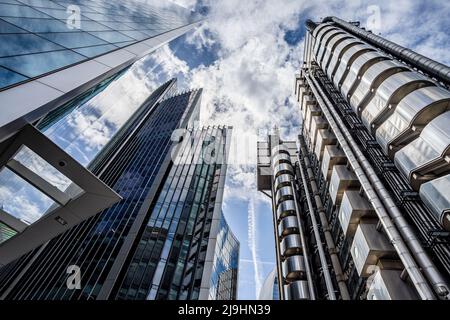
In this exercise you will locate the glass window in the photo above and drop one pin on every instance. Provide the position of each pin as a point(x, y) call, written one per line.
point(41, 3)
point(123, 44)
point(116, 25)
point(35, 64)
point(87, 25)
point(56, 13)
point(73, 39)
point(8, 77)
point(98, 16)
point(20, 199)
point(6, 27)
point(35, 163)
point(15, 44)
point(111, 36)
point(11, 10)
point(39, 25)
point(135, 34)
point(95, 50)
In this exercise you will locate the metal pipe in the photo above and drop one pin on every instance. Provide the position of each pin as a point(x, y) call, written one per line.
point(339, 274)
point(323, 260)
point(432, 273)
point(408, 261)
point(436, 69)
point(305, 248)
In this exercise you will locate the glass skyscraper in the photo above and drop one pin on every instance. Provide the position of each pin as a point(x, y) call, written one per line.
point(158, 242)
point(54, 50)
point(42, 36)
point(125, 128)
point(56, 59)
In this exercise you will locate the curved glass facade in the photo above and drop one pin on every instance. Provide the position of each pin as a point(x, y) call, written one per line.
point(224, 274)
point(270, 289)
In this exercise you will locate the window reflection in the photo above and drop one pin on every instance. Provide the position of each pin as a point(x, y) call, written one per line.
point(102, 24)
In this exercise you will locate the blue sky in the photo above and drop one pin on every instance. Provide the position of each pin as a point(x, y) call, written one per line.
point(245, 57)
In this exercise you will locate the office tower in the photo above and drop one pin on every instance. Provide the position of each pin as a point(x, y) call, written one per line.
point(270, 288)
point(361, 199)
point(158, 242)
point(55, 57)
point(53, 50)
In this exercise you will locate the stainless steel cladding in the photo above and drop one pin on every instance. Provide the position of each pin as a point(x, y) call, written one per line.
point(280, 157)
point(332, 155)
point(341, 48)
point(434, 68)
point(279, 148)
point(388, 285)
point(284, 193)
point(368, 246)
point(413, 112)
point(436, 195)
point(370, 81)
point(342, 178)
point(357, 69)
point(324, 137)
point(294, 268)
point(427, 156)
point(354, 207)
point(285, 208)
point(388, 95)
point(282, 168)
point(291, 245)
point(297, 290)
point(288, 225)
point(282, 181)
point(349, 56)
point(317, 122)
point(343, 38)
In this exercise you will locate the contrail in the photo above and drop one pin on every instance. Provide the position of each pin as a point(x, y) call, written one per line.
point(252, 244)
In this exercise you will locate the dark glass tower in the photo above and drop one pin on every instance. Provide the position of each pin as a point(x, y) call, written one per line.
point(160, 240)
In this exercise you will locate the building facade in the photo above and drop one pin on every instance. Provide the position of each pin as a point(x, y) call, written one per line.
point(360, 200)
point(270, 289)
point(56, 60)
point(159, 241)
point(53, 50)
point(224, 276)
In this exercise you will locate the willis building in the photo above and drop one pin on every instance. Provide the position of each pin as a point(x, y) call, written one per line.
point(106, 192)
point(361, 200)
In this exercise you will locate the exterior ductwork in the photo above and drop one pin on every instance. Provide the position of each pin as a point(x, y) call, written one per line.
point(371, 179)
point(379, 196)
point(429, 66)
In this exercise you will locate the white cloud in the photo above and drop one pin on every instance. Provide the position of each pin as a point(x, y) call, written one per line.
point(251, 85)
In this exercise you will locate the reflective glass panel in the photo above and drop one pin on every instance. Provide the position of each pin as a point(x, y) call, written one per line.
point(74, 39)
point(8, 77)
point(39, 63)
point(15, 44)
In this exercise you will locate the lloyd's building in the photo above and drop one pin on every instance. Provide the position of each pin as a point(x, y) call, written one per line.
point(361, 201)
point(108, 188)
